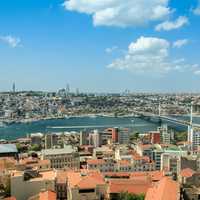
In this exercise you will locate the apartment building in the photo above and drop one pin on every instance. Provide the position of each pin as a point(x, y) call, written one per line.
point(25, 184)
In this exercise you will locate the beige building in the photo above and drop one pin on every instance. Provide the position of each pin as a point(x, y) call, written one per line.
point(29, 183)
point(62, 158)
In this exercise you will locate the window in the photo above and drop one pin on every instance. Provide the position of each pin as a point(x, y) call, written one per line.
point(87, 190)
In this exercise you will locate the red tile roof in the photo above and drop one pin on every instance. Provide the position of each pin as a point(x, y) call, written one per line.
point(187, 172)
point(10, 198)
point(130, 186)
point(47, 195)
point(85, 179)
point(124, 162)
point(166, 189)
point(153, 175)
point(95, 161)
point(61, 177)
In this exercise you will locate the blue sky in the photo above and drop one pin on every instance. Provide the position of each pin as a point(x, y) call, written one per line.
point(100, 45)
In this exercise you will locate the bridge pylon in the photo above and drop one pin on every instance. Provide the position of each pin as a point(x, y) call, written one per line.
point(159, 110)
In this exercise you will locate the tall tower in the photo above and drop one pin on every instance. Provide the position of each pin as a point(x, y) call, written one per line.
point(13, 87)
point(67, 89)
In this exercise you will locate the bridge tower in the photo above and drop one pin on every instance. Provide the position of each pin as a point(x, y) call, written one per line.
point(159, 114)
point(159, 109)
point(191, 114)
point(190, 127)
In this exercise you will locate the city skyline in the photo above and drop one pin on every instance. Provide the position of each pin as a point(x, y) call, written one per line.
point(100, 46)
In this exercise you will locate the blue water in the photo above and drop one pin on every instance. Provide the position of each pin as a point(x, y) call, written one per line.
point(80, 123)
point(74, 124)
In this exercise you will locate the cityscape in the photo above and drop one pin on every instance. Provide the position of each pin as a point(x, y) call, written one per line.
point(99, 100)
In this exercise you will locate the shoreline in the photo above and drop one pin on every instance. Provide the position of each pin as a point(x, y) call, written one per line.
point(31, 120)
point(7, 122)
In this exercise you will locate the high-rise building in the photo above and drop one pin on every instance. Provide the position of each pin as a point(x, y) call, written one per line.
point(195, 139)
point(36, 138)
point(155, 137)
point(115, 135)
point(123, 137)
point(165, 135)
point(96, 139)
point(48, 144)
point(84, 138)
point(51, 140)
point(67, 90)
point(193, 134)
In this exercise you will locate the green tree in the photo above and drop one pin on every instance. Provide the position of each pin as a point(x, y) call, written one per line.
point(129, 196)
point(35, 147)
point(135, 136)
point(180, 136)
point(19, 147)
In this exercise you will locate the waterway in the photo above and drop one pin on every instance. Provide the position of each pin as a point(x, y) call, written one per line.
point(14, 131)
point(80, 123)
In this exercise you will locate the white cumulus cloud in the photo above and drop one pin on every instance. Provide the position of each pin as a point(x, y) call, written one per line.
point(196, 11)
point(197, 72)
point(150, 55)
point(171, 25)
point(121, 13)
point(180, 43)
point(111, 49)
point(11, 40)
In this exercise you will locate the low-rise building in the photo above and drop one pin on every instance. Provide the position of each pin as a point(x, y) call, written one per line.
point(8, 150)
point(86, 185)
point(28, 183)
point(61, 185)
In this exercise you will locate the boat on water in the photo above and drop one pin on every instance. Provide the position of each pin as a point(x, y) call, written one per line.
point(92, 116)
point(68, 117)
